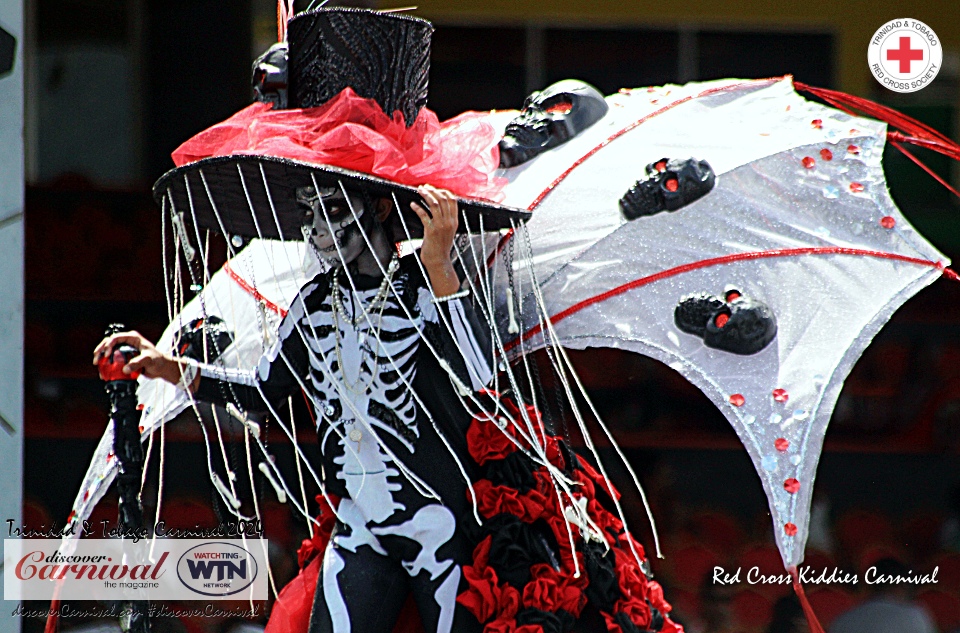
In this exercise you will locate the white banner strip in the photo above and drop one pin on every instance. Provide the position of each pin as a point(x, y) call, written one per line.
point(125, 569)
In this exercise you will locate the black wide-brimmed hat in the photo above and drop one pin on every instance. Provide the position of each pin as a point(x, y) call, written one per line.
point(380, 56)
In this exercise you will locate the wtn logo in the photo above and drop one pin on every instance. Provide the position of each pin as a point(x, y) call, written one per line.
point(217, 569)
point(224, 568)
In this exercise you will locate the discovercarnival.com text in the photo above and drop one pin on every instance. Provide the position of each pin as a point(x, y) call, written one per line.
point(155, 610)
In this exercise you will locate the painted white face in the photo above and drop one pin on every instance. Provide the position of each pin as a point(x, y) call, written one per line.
point(330, 222)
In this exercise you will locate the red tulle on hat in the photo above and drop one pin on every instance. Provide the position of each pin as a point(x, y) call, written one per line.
point(460, 154)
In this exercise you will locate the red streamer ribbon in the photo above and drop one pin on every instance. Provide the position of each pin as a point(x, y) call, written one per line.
point(812, 621)
point(911, 130)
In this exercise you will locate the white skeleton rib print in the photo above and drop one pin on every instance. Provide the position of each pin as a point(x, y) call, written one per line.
point(355, 351)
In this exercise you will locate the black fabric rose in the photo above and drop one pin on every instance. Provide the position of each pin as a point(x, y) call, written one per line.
point(515, 471)
point(514, 548)
point(559, 622)
point(623, 620)
point(603, 590)
point(656, 618)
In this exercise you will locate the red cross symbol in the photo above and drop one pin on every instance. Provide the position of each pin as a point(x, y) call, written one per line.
point(905, 54)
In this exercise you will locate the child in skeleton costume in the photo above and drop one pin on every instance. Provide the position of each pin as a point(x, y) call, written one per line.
point(352, 339)
point(443, 489)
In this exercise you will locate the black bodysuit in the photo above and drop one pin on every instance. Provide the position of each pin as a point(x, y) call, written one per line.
point(385, 405)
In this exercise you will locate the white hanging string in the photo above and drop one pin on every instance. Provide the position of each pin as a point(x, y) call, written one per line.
point(249, 426)
point(256, 505)
point(321, 363)
point(474, 401)
point(271, 410)
point(228, 491)
point(574, 512)
point(540, 457)
point(166, 275)
point(228, 496)
point(587, 438)
point(308, 392)
point(486, 307)
point(409, 474)
point(296, 460)
point(578, 514)
point(500, 409)
point(490, 310)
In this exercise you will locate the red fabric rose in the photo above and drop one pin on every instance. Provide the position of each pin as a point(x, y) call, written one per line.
point(549, 590)
point(545, 486)
point(633, 582)
point(481, 553)
point(669, 626)
point(612, 625)
point(605, 520)
point(558, 526)
point(509, 625)
point(504, 625)
point(520, 419)
point(655, 596)
point(542, 593)
point(493, 500)
point(636, 610)
point(482, 597)
point(596, 477)
point(554, 455)
point(486, 441)
point(291, 611)
point(317, 543)
point(509, 602)
point(586, 485)
point(625, 539)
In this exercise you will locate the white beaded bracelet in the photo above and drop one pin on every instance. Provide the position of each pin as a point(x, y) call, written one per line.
point(456, 295)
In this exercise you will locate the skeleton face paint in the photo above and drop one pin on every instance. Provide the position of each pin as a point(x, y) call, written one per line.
point(669, 185)
point(551, 118)
point(330, 221)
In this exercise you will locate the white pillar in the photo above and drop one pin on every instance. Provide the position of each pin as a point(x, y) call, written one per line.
point(11, 286)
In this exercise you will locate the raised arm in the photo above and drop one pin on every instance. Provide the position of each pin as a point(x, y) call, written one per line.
point(439, 228)
point(463, 342)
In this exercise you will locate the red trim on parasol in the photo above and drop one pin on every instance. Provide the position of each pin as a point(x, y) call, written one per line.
point(726, 259)
point(253, 291)
point(633, 126)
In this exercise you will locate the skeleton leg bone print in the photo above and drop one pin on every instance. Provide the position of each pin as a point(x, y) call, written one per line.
point(431, 528)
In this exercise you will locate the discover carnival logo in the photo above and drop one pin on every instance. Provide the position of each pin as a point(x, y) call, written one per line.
point(217, 569)
point(134, 569)
point(905, 55)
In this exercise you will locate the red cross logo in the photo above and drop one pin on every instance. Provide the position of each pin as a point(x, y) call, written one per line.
point(905, 55)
